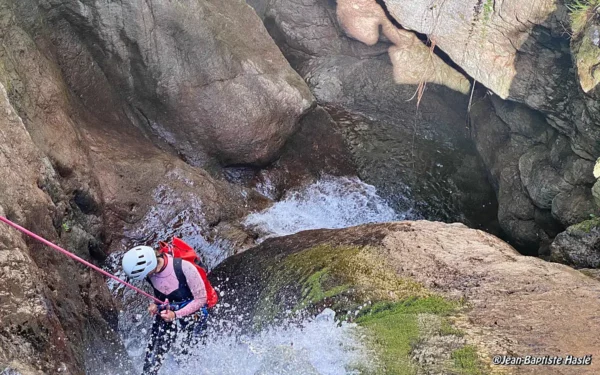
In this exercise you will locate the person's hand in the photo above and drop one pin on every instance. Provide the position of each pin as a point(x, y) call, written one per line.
point(167, 315)
point(152, 309)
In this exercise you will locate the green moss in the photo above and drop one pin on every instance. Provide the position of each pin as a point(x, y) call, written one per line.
point(446, 329)
point(586, 226)
point(581, 12)
point(394, 329)
point(346, 279)
point(467, 362)
point(340, 277)
point(433, 305)
point(66, 226)
point(394, 336)
point(488, 9)
point(314, 291)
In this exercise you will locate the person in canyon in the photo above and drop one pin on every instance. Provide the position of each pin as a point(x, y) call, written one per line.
point(180, 283)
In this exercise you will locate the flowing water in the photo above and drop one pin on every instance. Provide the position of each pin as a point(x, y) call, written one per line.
point(332, 202)
point(312, 346)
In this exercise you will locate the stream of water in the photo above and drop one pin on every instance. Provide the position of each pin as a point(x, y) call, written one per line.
point(332, 202)
point(314, 346)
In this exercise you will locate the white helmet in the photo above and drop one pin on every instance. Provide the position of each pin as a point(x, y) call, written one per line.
point(139, 261)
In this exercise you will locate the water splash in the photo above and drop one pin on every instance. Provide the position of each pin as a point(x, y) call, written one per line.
point(318, 346)
point(332, 202)
point(315, 346)
point(180, 214)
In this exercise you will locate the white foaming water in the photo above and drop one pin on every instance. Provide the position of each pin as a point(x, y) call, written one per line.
point(332, 202)
point(318, 346)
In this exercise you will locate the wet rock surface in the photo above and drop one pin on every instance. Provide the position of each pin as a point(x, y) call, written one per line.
point(49, 305)
point(518, 305)
point(417, 154)
point(82, 172)
point(316, 150)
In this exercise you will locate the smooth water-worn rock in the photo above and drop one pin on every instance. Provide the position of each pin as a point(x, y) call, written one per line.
point(517, 304)
point(316, 150)
point(203, 77)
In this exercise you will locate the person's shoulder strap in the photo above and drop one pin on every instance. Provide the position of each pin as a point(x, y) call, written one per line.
point(178, 267)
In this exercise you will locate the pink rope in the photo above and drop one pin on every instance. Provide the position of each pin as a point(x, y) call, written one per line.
point(73, 256)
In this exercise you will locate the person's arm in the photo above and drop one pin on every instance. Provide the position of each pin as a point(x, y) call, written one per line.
point(196, 285)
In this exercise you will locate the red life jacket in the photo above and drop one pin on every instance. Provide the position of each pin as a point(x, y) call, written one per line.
point(179, 249)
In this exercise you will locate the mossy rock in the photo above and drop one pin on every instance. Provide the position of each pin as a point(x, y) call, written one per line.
point(432, 298)
point(585, 42)
point(286, 277)
point(586, 226)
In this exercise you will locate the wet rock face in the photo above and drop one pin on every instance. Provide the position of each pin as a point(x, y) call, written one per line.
point(48, 304)
point(316, 150)
point(208, 84)
point(516, 303)
point(366, 81)
point(83, 172)
point(542, 185)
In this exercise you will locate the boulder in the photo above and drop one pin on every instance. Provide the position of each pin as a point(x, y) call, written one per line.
point(579, 245)
point(410, 274)
point(202, 77)
point(574, 206)
point(539, 177)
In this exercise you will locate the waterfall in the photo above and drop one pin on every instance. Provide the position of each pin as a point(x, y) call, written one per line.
point(312, 346)
point(331, 202)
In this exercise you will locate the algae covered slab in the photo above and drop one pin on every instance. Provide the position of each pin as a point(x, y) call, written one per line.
point(430, 298)
point(356, 281)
